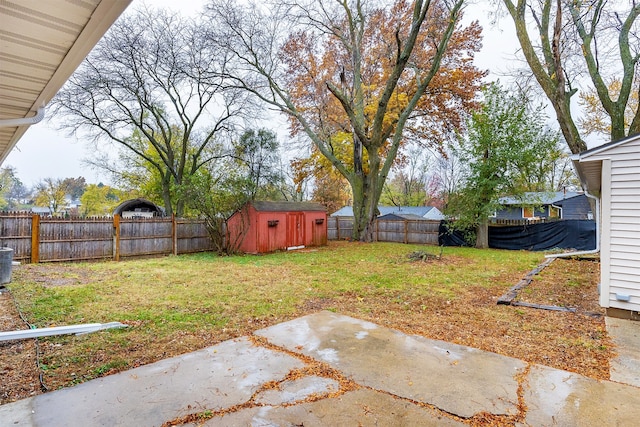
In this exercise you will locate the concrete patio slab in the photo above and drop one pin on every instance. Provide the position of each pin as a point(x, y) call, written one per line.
point(560, 398)
point(298, 390)
point(428, 371)
point(324, 370)
point(625, 368)
point(355, 408)
point(217, 377)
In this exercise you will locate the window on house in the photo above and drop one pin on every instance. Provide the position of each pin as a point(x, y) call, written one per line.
point(555, 212)
point(527, 213)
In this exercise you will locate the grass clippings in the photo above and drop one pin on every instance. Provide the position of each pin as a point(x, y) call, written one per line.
point(180, 304)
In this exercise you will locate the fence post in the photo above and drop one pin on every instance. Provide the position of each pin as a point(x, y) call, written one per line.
point(116, 237)
point(337, 227)
point(406, 231)
point(35, 239)
point(174, 234)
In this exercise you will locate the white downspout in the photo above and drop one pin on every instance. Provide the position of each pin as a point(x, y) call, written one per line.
point(592, 251)
point(24, 120)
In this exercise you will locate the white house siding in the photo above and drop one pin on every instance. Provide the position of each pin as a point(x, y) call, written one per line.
point(621, 226)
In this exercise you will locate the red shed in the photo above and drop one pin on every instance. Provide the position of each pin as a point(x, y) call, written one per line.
point(260, 227)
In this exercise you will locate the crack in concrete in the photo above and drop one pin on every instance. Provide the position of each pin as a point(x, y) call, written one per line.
point(314, 367)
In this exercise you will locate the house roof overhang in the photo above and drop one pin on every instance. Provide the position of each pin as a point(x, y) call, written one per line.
point(41, 45)
point(590, 173)
point(588, 164)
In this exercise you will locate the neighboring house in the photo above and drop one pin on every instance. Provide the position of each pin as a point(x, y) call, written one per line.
point(560, 204)
point(42, 211)
point(72, 206)
point(611, 173)
point(401, 217)
point(72, 203)
point(425, 212)
point(260, 227)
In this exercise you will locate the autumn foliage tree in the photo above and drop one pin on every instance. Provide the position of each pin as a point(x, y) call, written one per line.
point(100, 200)
point(51, 193)
point(381, 74)
point(12, 190)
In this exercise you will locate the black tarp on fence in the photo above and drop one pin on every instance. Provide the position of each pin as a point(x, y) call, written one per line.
point(450, 237)
point(566, 234)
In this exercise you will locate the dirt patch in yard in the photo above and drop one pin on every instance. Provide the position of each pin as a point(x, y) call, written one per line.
point(19, 375)
point(570, 283)
point(52, 275)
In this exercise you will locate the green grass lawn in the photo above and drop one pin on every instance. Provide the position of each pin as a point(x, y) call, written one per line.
point(187, 293)
point(179, 304)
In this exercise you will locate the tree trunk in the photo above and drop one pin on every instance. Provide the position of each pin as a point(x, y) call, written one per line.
point(482, 234)
point(365, 209)
point(366, 188)
point(166, 194)
point(562, 107)
point(180, 208)
point(618, 130)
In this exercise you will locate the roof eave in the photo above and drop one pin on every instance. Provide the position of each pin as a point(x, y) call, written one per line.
point(104, 15)
point(589, 172)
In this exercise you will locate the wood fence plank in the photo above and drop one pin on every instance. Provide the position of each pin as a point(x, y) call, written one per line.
point(399, 231)
point(116, 237)
point(35, 239)
point(52, 239)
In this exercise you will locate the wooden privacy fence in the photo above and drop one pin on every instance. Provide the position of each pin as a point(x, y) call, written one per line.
point(49, 239)
point(401, 231)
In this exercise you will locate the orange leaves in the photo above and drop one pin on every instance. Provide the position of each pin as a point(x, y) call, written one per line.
point(385, 78)
point(361, 73)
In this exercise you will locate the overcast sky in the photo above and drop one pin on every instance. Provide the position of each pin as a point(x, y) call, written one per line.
point(45, 152)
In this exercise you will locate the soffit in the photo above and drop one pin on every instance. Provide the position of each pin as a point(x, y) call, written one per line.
point(41, 45)
point(590, 174)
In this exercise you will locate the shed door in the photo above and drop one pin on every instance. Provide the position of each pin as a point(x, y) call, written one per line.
point(295, 229)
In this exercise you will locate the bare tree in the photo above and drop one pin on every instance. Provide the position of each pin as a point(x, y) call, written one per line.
point(354, 67)
point(445, 178)
point(153, 86)
point(563, 40)
point(408, 186)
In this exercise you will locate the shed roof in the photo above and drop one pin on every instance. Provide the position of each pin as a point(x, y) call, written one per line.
point(267, 206)
point(42, 44)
